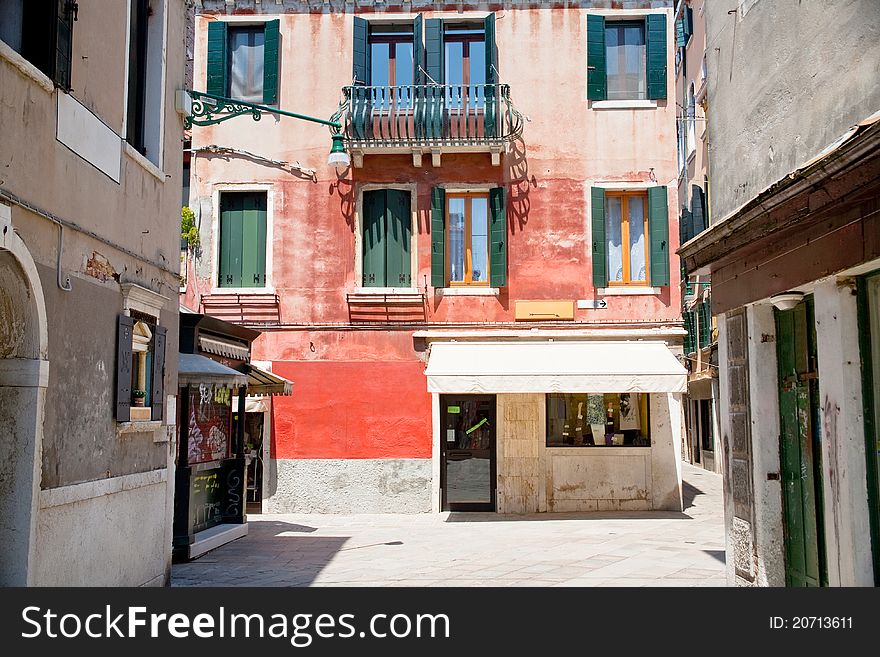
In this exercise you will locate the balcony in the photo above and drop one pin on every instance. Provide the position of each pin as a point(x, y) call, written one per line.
point(428, 119)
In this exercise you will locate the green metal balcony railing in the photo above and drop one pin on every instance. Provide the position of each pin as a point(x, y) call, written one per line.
point(428, 115)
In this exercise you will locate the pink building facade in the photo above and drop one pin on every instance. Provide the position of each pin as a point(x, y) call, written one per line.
point(483, 310)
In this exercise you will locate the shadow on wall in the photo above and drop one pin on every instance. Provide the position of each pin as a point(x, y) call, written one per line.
point(345, 188)
point(520, 184)
point(688, 494)
point(226, 154)
point(296, 558)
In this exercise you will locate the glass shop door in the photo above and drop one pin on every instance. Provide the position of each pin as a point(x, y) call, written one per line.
point(467, 452)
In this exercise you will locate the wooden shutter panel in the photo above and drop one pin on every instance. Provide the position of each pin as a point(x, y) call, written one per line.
point(419, 49)
point(231, 239)
point(655, 40)
point(698, 210)
point(658, 223)
point(361, 52)
point(491, 121)
point(705, 324)
point(498, 237)
point(253, 240)
point(597, 81)
point(64, 19)
point(373, 249)
point(398, 234)
point(216, 83)
point(434, 97)
point(157, 376)
point(124, 330)
point(690, 342)
point(270, 61)
point(597, 209)
point(685, 226)
point(438, 237)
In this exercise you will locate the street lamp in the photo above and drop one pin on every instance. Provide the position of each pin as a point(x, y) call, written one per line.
point(338, 156)
point(200, 108)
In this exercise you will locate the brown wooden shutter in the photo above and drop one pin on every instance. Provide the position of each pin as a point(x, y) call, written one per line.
point(124, 330)
point(157, 403)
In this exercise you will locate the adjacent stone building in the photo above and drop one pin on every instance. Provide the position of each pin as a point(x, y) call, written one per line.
point(90, 179)
point(793, 250)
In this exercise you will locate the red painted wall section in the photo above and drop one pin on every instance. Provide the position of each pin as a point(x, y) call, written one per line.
point(376, 410)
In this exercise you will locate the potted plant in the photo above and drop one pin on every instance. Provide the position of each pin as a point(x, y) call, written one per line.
point(137, 397)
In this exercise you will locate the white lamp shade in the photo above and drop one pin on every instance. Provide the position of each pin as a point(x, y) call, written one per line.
point(339, 160)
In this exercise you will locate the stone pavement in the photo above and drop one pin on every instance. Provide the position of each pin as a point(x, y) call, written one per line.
point(478, 549)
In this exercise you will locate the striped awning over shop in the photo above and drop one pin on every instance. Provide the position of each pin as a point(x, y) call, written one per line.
point(227, 348)
point(263, 383)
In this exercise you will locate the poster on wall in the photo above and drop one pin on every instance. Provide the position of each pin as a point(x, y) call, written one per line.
point(210, 423)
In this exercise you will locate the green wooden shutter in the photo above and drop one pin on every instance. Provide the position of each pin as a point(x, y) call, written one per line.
point(398, 233)
point(705, 324)
point(597, 208)
point(438, 237)
point(419, 50)
point(231, 239)
point(497, 237)
point(216, 83)
point(361, 52)
point(253, 247)
point(373, 250)
point(597, 82)
point(270, 62)
point(361, 75)
point(434, 97)
point(658, 222)
point(124, 329)
point(698, 210)
point(655, 40)
point(690, 340)
point(491, 121)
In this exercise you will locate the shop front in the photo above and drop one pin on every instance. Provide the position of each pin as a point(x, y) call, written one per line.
point(217, 434)
point(528, 426)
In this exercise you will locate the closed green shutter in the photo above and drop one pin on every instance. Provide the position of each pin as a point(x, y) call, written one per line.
point(596, 73)
point(705, 324)
point(655, 39)
point(658, 223)
point(690, 340)
point(156, 380)
point(216, 83)
point(361, 52)
point(491, 121)
point(597, 209)
point(373, 250)
point(360, 101)
point(698, 204)
point(124, 330)
point(438, 237)
point(242, 240)
point(419, 50)
point(434, 96)
point(398, 223)
point(498, 237)
point(253, 260)
point(270, 62)
point(684, 27)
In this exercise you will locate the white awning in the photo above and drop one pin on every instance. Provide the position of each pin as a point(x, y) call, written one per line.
point(261, 382)
point(196, 369)
point(562, 366)
point(225, 348)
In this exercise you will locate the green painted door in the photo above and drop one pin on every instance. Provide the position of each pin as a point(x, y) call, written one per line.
point(386, 239)
point(800, 447)
point(242, 239)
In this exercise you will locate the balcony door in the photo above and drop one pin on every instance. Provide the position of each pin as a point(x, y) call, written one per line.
point(391, 82)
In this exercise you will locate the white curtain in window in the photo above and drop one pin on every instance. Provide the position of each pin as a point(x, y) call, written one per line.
point(636, 208)
point(246, 70)
point(613, 239)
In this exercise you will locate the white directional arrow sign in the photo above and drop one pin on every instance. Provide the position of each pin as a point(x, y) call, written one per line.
point(595, 304)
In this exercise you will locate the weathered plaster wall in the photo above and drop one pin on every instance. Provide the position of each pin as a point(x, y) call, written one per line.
point(815, 78)
point(113, 539)
point(548, 174)
point(385, 485)
point(844, 461)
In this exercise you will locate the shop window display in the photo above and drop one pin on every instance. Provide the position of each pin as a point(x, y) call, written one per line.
point(612, 420)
